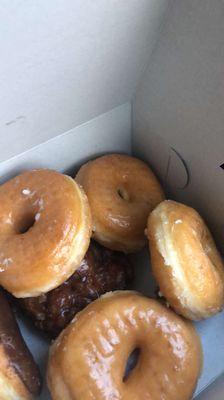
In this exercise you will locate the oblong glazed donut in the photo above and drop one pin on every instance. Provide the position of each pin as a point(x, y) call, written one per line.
point(101, 271)
point(19, 375)
point(121, 190)
point(185, 261)
point(45, 229)
point(88, 360)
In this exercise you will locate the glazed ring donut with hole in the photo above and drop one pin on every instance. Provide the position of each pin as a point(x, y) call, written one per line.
point(122, 191)
point(185, 261)
point(88, 360)
point(45, 229)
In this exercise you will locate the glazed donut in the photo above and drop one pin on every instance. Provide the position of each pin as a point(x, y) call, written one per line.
point(102, 270)
point(19, 375)
point(88, 360)
point(45, 229)
point(121, 190)
point(185, 261)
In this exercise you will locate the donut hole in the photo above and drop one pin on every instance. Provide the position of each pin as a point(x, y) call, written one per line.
point(131, 364)
point(25, 224)
point(123, 194)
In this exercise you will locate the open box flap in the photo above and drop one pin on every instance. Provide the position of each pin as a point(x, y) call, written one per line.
point(65, 62)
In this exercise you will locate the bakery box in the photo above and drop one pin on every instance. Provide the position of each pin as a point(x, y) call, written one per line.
point(143, 77)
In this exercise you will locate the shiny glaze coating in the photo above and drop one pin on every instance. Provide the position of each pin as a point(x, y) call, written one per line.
point(185, 261)
point(101, 271)
point(45, 228)
point(89, 358)
point(19, 375)
point(122, 191)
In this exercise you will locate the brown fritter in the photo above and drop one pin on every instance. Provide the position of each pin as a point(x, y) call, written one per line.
point(101, 271)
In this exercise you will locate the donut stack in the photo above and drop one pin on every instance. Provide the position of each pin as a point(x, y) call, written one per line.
point(65, 254)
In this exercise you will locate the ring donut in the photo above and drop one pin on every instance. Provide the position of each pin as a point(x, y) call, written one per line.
point(185, 261)
point(89, 358)
point(121, 190)
point(45, 229)
point(19, 375)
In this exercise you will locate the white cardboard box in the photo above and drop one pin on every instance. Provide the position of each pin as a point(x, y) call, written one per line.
point(83, 78)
